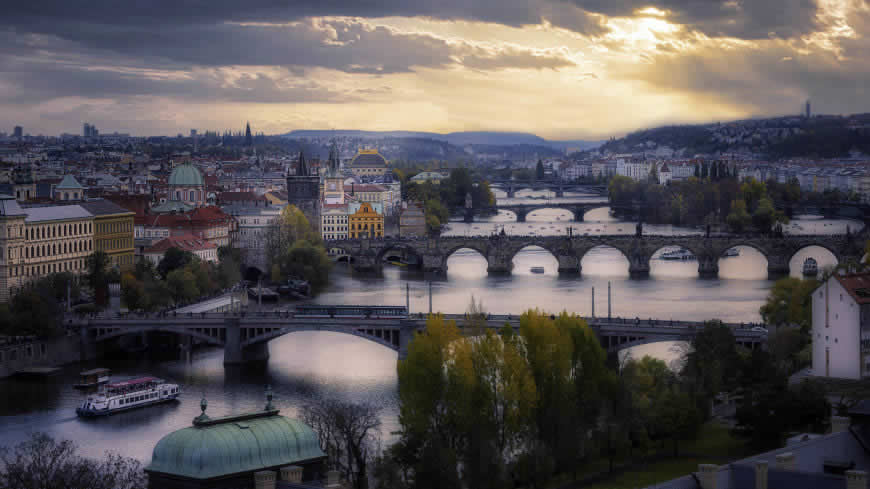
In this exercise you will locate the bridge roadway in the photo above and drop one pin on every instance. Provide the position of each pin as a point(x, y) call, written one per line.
point(244, 337)
point(367, 255)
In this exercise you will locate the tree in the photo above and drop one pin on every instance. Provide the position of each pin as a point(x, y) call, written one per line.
point(304, 260)
point(291, 226)
point(97, 276)
point(41, 462)
point(711, 364)
point(789, 302)
point(738, 219)
point(173, 259)
point(132, 292)
point(539, 170)
point(348, 435)
point(182, 285)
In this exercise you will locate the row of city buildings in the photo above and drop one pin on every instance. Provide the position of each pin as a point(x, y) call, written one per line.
point(55, 214)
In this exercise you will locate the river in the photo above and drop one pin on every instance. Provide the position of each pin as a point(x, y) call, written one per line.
point(306, 366)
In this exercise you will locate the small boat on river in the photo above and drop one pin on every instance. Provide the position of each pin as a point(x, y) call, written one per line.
point(537, 269)
point(811, 267)
point(731, 252)
point(127, 394)
point(93, 378)
point(681, 254)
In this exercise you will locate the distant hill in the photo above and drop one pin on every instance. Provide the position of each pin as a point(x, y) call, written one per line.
point(486, 138)
point(776, 137)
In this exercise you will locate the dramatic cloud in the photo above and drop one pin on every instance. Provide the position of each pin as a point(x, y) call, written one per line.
point(562, 68)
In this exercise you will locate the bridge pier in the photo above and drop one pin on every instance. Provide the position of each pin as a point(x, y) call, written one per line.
point(499, 263)
point(579, 215)
point(638, 266)
point(521, 215)
point(708, 266)
point(560, 192)
point(777, 267)
point(366, 263)
point(233, 351)
point(569, 265)
point(88, 349)
point(434, 264)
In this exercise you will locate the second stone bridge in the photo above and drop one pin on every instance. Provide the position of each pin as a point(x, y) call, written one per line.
point(368, 255)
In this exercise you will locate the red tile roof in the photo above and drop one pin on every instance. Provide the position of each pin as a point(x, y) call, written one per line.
point(857, 284)
point(184, 242)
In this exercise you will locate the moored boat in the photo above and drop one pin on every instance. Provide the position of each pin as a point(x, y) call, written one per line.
point(93, 378)
point(731, 252)
point(681, 254)
point(811, 267)
point(128, 394)
point(537, 269)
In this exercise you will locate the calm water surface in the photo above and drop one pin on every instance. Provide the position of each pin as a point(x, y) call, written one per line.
point(307, 366)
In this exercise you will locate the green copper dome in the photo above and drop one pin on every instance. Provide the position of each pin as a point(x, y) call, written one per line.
point(235, 444)
point(186, 175)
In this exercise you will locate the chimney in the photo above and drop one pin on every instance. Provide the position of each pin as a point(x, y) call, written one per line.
point(761, 474)
point(839, 423)
point(707, 474)
point(291, 473)
point(856, 479)
point(785, 461)
point(264, 479)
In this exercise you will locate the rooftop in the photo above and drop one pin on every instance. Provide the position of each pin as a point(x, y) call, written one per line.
point(857, 285)
point(103, 207)
point(56, 213)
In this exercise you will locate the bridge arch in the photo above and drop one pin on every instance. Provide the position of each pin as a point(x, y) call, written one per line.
point(826, 258)
point(181, 331)
point(598, 267)
point(750, 263)
point(483, 252)
point(581, 215)
point(701, 263)
point(390, 250)
point(558, 255)
point(386, 337)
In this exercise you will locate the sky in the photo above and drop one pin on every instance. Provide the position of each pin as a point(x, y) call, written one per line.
point(562, 69)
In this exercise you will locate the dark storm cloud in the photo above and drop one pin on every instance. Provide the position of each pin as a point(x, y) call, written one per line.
point(750, 19)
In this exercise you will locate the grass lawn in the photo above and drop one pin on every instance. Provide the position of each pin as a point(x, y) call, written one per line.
point(714, 444)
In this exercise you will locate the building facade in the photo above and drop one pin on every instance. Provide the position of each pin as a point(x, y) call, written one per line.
point(368, 163)
point(113, 232)
point(365, 223)
point(335, 221)
point(841, 327)
point(201, 248)
point(412, 220)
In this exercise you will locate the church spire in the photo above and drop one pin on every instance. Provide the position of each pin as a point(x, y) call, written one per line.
point(334, 162)
point(301, 167)
point(248, 139)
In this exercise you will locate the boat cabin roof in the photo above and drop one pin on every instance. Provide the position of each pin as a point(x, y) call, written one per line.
point(96, 371)
point(133, 382)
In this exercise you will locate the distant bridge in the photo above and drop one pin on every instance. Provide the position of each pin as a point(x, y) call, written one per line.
point(244, 337)
point(511, 187)
point(499, 251)
point(578, 210)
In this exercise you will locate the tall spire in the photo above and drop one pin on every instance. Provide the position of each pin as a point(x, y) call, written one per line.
point(301, 167)
point(334, 162)
point(248, 139)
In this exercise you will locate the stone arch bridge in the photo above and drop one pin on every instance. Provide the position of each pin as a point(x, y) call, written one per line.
point(578, 209)
point(245, 337)
point(499, 250)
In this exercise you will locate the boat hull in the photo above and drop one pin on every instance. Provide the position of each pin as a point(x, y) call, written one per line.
point(97, 413)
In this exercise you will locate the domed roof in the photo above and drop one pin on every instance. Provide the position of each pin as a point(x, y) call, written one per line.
point(186, 175)
point(235, 444)
point(368, 158)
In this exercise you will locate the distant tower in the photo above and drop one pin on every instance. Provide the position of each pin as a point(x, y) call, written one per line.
point(334, 166)
point(809, 113)
point(248, 139)
point(303, 191)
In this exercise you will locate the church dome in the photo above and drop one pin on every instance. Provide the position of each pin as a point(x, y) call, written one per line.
point(186, 175)
point(234, 445)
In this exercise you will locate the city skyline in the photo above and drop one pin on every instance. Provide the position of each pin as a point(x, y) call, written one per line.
point(562, 70)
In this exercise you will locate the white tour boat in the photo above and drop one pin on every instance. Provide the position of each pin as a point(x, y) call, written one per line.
point(811, 267)
point(128, 394)
point(681, 254)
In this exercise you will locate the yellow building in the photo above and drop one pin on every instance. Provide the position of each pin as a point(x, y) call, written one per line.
point(113, 232)
point(365, 223)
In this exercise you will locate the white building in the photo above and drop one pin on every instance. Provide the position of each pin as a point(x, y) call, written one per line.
point(841, 327)
point(334, 221)
point(637, 170)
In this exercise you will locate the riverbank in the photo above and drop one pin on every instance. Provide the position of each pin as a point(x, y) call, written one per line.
point(40, 353)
